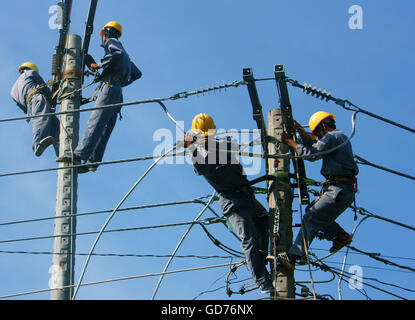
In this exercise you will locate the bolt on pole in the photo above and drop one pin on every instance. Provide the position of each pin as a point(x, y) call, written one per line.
point(63, 263)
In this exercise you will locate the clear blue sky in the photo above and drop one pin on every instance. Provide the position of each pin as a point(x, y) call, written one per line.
point(186, 45)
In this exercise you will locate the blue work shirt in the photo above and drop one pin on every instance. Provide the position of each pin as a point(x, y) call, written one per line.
point(339, 162)
point(117, 64)
point(225, 174)
point(27, 81)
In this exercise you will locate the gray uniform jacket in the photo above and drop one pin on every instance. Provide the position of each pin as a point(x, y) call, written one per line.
point(339, 162)
point(335, 197)
point(117, 64)
point(118, 71)
point(27, 81)
point(226, 175)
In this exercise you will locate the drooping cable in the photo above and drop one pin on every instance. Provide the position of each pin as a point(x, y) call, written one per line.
point(113, 213)
point(179, 244)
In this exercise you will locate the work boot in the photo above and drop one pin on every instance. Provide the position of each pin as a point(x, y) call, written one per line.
point(83, 169)
point(266, 287)
point(342, 239)
point(87, 168)
point(42, 145)
point(92, 168)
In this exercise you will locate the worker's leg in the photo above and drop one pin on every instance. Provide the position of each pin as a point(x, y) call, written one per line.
point(98, 120)
point(343, 201)
point(321, 216)
point(55, 133)
point(98, 153)
point(42, 126)
point(242, 221)
point(261, 221)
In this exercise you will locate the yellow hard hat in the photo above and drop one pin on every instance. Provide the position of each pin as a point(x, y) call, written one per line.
point(112, 24)
point(203, 123)
point(317, 117)
point(28, 65)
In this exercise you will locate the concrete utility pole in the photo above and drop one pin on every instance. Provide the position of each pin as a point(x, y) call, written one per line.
point(281, 199)
point(66, 198)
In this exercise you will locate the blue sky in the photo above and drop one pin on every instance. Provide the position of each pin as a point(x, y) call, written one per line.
point(187, 45)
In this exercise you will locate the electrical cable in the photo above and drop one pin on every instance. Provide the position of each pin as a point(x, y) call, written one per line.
point(161, 204)
point(180, 243)
point(113, 213)
point(325, 267)
point(345, 257)
point(208, 221)
point(180, 95)
point(323, 95)
point(120, 279)
point(365, 162)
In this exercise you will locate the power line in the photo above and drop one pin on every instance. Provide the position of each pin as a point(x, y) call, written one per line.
point(365, 212)
point(122, 255)
point(180, 95)
point(323, 95)
point(206, 221)
point(365, 162)
point(325, 267)
point(121, 279)
point(162, 204)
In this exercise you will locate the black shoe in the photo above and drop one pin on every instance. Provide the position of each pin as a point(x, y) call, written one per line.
point(338, 244)
point(83, 169)
point(92, 168)
point(266, 287)
point(42, 145)
point(87, 168)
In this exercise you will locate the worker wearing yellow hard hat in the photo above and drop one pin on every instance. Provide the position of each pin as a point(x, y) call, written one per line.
point(33, 97)
point(28, 65)
point(204, 124)
point(338, 192)
point(212, 158)
point(112, 24)
point(317, 118)
point(116, 71)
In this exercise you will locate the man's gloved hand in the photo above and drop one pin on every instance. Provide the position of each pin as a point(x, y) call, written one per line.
point(93, 67)
point(188, 140)
point(288, 140)
point(89, 60)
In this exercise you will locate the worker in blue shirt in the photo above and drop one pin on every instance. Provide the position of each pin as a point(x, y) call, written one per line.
point(33, 97)
point(221, 169)
point(338, 192)
point(117, 71)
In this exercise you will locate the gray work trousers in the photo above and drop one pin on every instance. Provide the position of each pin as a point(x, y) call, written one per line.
point(100, 124)
point(43, 126)
point(321, 214)
point(252, 227)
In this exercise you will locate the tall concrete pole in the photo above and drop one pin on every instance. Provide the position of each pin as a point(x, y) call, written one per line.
point(66, 197)
point(281, 199)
